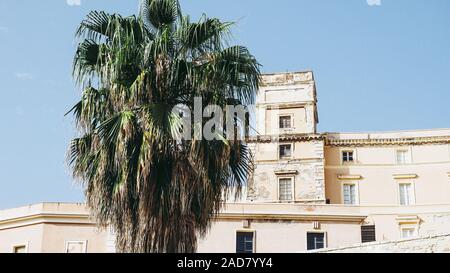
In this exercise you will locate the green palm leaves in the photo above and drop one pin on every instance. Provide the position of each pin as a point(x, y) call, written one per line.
point(157, 192)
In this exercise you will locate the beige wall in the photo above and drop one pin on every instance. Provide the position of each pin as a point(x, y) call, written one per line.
point(52, 238)
point(32, 236)
point(57, 235)
point(277, 236)
point(277, 227)
point(287, 94)
point(378, 185)
point(48, 227)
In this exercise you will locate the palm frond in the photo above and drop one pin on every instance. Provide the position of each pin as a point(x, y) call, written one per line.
point(160, 12)
point(158, 191)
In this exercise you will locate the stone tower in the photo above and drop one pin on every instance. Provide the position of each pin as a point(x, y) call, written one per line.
point(288, 152)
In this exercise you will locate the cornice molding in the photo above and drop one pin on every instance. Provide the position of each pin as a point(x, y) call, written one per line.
point(292, 217)
point(349, 177)
point(287, 79)
point(407, 219)
point(349, 142)
point(284, 172)
point(275, 106)
point(284, 138)
point(386, 141)
point(42, 218)
point(405, 176)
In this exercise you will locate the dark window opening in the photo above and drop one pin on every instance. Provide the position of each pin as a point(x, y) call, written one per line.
point(347, 156)
point(368, 234)
point(315, 240)
point(244, 242)
point(285, 122)
point(285, 151)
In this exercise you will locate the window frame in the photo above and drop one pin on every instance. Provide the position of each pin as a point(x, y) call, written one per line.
point(291, 121)
point(285, 157)
point(374, 235)
point(343, 162)
point(407, 156)
point(350, 183)
point(18, 245)
point(408, 227)
point(67, 242)
point(292, 178)
point(325, 239)
point(245, 231)
point(412, 198)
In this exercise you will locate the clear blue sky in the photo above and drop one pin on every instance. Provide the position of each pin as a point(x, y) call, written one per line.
point(382, 67)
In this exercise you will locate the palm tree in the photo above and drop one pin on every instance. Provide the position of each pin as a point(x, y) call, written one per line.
point(156, 192)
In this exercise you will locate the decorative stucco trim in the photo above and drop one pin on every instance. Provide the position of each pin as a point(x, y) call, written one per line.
point(405, 176)
point(43, 218)
point(386, 141)
point(284, 138)
point(350, 142)
point(349, 177)
point(284, 172)
point(272, 106)
point(292, 217)
point(408, 219)
point(285, 79)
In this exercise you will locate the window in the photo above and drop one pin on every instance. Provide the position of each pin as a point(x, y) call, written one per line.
point(285, 189)
point(315, 240)
point(20, 249)
point(347, 156)
point(285, 122)
point(76, 246)
point(285, 151)
point(401, 156)
point(349, 194)
point(244, 242)
point(406, 194)
point(368, 234)
point(408, 233)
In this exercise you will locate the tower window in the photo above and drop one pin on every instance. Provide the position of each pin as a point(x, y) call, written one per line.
point(285, 151)
point(285, 189)
point(285, 122)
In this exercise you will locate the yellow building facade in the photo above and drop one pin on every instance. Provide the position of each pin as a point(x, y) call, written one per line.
point(309, 190)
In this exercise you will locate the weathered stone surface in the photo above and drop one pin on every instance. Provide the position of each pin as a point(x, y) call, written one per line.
point(427, 244)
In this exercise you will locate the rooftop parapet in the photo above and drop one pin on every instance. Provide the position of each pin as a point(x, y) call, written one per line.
point(287, 78)
point(412, 137)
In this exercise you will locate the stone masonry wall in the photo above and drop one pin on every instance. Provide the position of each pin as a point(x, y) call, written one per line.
point(428, 244)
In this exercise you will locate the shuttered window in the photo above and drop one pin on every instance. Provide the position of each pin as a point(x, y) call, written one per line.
point(244, 242)
point(315, 240)
point(368, 234)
